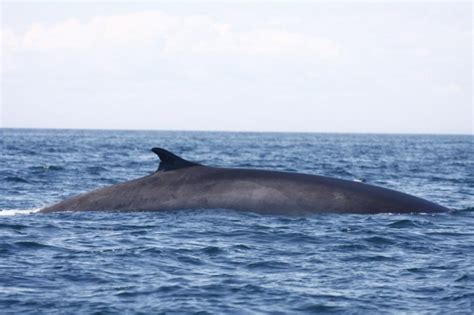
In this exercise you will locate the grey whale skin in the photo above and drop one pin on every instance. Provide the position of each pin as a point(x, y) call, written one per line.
point(181, 184)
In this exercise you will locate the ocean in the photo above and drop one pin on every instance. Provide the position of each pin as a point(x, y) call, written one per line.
point(227, 262)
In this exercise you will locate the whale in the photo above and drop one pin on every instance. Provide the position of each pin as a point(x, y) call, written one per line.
point(179, 184)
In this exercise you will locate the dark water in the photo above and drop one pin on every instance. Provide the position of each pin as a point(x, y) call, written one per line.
point(221, 261)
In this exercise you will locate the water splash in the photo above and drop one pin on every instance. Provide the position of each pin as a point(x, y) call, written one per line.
point(12, 212)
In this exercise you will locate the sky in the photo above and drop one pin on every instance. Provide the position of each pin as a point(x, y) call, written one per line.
point(299, 66)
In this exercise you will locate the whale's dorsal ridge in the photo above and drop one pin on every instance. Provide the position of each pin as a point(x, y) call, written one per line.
point(170, 161)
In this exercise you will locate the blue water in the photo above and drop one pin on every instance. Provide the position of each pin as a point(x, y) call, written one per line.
point(220, 261)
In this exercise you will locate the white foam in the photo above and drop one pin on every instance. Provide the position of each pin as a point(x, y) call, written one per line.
point(12, 212)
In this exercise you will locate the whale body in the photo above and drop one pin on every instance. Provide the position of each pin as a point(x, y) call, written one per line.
point(181, 184)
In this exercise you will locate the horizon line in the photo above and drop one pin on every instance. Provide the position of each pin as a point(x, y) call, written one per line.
point(247, 131)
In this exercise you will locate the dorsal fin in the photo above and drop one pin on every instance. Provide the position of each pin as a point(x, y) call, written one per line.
point(170, 161)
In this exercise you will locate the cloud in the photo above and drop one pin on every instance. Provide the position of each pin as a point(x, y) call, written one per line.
point(193, 34)
point(452, 88)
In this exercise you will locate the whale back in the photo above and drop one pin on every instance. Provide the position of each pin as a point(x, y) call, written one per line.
point(179, 184)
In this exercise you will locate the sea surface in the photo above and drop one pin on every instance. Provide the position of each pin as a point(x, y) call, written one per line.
point(226, 262)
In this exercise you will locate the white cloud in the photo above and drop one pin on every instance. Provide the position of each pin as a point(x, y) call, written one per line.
point(453, 88)
point(194, 34)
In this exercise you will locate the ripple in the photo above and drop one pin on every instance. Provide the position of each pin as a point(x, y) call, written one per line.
point(319, 308)
point(16, 290)
point(403, 224)
point(268, 265)
point(96, 170)
point(153, 251)
point(465, 278)
point(16, 179)
point(31, 245)
point(241, 247)
point(13, 226)
point(379, 240)
point(190, 260)
point(212, 250)
point(45, 168)
point(248, 289)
